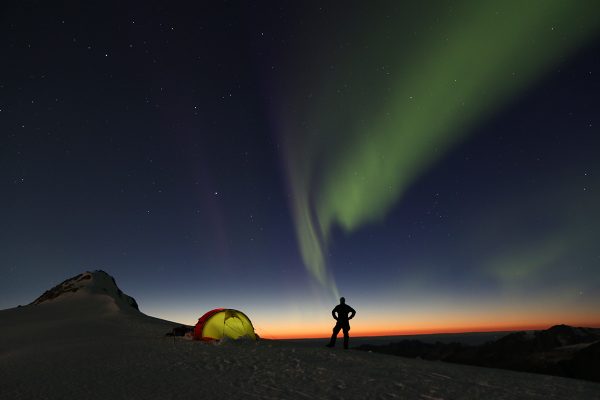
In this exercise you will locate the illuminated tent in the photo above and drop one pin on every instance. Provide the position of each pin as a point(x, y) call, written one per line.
point(224, 323)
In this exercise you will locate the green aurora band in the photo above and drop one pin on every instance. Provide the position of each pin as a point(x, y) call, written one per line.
point(366, 121)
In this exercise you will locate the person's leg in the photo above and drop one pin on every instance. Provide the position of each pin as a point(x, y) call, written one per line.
point(336, 330)
point(346, 338)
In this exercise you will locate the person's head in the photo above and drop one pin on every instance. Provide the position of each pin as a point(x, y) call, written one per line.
point(342, 300)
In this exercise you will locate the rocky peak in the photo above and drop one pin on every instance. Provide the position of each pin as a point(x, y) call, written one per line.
point(94, 282)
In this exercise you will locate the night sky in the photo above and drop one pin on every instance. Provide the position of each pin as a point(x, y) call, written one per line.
point(436, 163)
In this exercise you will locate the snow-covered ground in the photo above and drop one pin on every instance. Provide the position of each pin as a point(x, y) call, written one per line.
point(92, 344)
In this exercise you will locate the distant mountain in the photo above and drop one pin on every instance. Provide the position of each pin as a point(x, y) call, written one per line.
point(561, 350)
point(96, 282)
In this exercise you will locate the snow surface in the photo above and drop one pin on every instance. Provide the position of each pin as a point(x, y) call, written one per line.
point(89, 345)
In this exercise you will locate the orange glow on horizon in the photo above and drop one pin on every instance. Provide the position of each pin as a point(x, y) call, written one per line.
point(285, 324)
point(422, 321)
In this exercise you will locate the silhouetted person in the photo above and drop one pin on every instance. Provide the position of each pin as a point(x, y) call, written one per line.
point(343, 321)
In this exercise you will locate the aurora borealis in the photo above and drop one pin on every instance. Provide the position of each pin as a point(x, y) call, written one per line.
point(431, 86)
point(434, 162)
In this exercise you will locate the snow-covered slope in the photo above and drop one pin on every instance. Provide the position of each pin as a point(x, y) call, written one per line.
point(79, 310)
point(92, 344)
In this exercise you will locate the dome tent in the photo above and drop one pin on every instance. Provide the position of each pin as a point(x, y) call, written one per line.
point(224, 323)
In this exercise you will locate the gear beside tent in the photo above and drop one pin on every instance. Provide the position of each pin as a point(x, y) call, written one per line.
point(224, 323)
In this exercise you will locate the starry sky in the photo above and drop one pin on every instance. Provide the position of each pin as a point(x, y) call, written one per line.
point(436, 163)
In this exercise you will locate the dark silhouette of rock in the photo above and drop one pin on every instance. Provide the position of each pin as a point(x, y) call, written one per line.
point(584, 364)
point(63, 287)
point(564, 335)
point(180, 330)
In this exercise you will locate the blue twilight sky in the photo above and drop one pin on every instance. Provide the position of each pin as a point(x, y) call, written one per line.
point(153, 142)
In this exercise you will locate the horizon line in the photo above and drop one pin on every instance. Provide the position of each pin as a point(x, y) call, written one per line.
point(417, 332)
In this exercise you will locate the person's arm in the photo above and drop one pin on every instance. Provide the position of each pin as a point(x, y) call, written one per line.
point(353, 313)
point(333, 314)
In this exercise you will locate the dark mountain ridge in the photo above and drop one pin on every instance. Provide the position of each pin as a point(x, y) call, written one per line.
point(561, 350)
